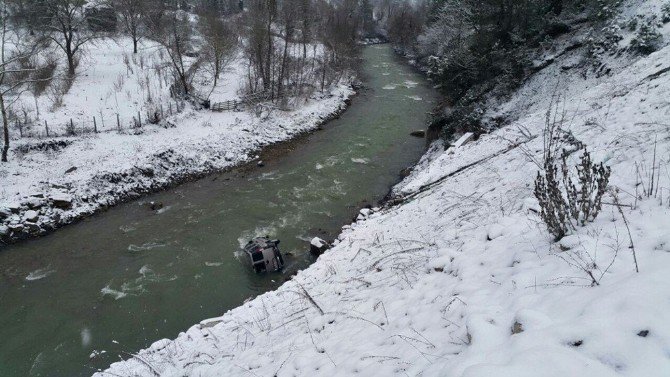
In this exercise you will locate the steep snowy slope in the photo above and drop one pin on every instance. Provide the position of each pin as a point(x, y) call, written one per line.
point(462, 278)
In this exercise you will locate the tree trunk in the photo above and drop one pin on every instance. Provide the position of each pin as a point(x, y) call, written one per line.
point(5, 129)
point(268, 66)
point(282, 72)
point(184, 83)
point(134, 45)
point(70, 65)
point(70, 55)
point(217, 68)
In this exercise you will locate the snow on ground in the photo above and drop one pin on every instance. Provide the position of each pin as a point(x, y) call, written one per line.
point(463, 279)
point(50, 182)
point(111, 81)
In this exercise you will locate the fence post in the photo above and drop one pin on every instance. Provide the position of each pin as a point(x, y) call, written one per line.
point(118, 122)
point(46, 126)
point(95, 125)
point(74, 133)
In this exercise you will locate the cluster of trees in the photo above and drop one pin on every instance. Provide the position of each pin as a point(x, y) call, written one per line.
point(476, 48)
point(291, 47)
point(296, 45)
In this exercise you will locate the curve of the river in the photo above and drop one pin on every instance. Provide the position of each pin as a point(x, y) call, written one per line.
point(125, 278)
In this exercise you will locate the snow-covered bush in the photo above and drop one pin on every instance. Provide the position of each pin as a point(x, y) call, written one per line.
point(607, 43)
point(564, 203)
point(665, 12)
point(44, 75)
point(647, 39)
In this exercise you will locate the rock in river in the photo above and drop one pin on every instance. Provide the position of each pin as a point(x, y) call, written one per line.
point(318, 246)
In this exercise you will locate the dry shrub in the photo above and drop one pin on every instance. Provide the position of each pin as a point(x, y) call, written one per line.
point(44, 75)
point(58, 90)
point(564, 202)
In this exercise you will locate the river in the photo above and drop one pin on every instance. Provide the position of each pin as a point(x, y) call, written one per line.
point(127, 277)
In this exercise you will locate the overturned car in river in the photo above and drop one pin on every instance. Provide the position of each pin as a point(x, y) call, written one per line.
point(264, 254)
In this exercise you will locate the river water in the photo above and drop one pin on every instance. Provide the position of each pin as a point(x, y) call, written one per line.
point(125, 278)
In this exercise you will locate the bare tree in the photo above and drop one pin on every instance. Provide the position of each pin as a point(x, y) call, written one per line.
point(338, 33)
point(260, 50)
point(133, 14)
point(15, 49)
point(219, 44)
point(289, 11)
point(66, 20)
point(172, 30)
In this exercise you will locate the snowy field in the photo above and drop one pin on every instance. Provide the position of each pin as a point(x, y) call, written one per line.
point(49, 182)
point(463, 278)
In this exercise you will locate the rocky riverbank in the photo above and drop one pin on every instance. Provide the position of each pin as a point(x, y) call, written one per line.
point(56, 182)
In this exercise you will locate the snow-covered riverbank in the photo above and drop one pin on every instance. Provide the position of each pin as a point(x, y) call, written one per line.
point(50, 182)
point(56, 182)
point(463, 278)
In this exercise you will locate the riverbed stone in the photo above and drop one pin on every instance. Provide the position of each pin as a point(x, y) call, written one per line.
point(63, 201)
point(318, 246)
point(14, 207)
point(16, 228)
point(33, 228)
point(155, 206)
point(34, 203)
point(5, 213)
point(31, 216)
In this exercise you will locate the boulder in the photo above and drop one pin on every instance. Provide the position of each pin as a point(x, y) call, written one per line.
point(33, 228)
point(318, 246)
point(63, 201)
point(155, 206)
point(34, 203)
point(16, 228)
point(14, 207)
point(5, 213)
point(31, 216)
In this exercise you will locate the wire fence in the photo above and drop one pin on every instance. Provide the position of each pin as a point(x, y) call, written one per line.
point(94, 124)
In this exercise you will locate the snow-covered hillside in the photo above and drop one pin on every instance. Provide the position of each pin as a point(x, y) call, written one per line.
point(462, 278)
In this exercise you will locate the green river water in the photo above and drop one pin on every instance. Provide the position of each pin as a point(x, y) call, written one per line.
point(130, 276)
